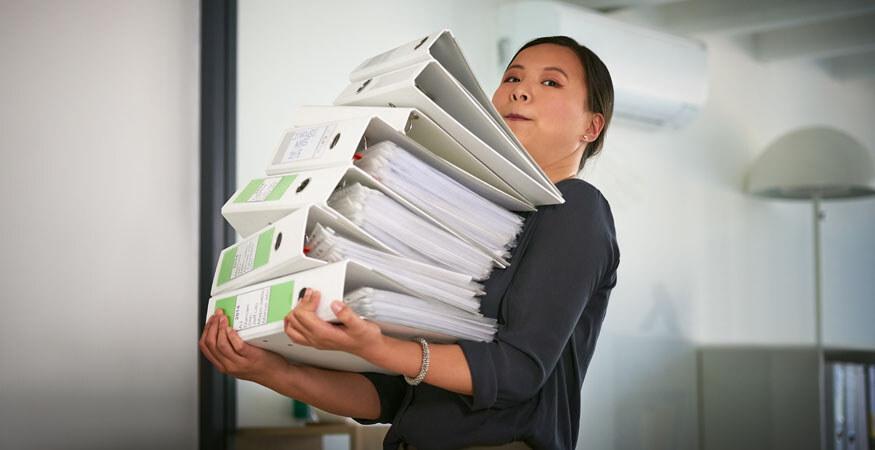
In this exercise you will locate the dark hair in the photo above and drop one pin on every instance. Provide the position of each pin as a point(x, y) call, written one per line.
point(597, 79)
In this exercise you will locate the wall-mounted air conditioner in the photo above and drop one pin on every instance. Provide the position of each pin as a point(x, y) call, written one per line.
point(660, 80)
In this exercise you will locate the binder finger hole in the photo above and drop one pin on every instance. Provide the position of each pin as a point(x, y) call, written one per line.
point(279, 240)
point(334, 142)
point(301, 293)
point(302, 186)
point(363, 86)
point(420, 43)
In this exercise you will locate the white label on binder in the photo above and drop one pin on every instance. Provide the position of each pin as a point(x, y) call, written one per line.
point(251, 309)
point(244, 261)
point(267, 186)
point(305, 143)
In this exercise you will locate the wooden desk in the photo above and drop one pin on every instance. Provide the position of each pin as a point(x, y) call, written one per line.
point(307, 437)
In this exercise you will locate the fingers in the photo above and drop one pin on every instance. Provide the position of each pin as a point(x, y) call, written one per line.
point(314, 328)
point(202, 345)
point(348, 317)
point(304, 316)
point(208, 340)
point(226, 350)
point(238, 344)
point(294, 330)
point(223, 345)
point(310, 301)
point(308, 328)
point(292, 324)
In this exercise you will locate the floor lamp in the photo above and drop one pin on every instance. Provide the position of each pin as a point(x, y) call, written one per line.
point(816, 164)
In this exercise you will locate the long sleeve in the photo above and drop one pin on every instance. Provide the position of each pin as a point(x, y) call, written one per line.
point(571, 253)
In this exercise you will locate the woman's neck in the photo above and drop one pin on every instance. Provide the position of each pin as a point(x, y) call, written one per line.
point(559, 173)
point(567, 167)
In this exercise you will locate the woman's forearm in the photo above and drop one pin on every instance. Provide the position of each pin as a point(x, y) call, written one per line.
point(342, 393)
point(448, 367)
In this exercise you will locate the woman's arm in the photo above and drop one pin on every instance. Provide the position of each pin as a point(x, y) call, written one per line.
point(341, 393)
point(448, 367)
point(571, 249)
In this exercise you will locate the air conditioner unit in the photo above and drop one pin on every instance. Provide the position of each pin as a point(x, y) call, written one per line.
point(660, 80)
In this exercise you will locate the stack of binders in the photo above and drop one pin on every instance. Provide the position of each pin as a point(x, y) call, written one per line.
point(401, 199)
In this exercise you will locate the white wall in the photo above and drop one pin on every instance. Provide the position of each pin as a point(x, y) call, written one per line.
point(99, 139)
point(301, 53)
point(744, 265)
point(702, 263)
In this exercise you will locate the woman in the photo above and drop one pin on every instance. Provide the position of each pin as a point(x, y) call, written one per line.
point(557, 98)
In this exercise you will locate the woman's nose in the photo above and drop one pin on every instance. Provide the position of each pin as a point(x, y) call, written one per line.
point(519, 94)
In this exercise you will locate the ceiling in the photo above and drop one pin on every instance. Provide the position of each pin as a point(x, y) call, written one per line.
point(838, 35)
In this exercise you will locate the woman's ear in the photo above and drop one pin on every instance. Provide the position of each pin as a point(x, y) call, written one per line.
point(594, 128)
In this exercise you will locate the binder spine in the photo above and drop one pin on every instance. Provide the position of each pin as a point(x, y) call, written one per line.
point(408, 54)
point(274, 251)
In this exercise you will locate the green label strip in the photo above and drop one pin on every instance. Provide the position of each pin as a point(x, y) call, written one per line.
point(229, 257)
point(280, 303)
point(228, 305)
point(262, 250)
point(275, 194)
point(281, 188)
point(250, 189)
point(226, 267)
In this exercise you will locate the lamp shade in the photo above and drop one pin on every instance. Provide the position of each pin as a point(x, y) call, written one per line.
point(813, 162)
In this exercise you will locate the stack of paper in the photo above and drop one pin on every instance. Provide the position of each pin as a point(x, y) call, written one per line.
point(405, 310)
point(441, 285)
point(467, 213)
point(407, 233)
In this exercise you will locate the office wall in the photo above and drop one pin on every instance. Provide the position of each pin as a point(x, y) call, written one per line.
point(702, 263)
point(99, 179)
point(745, 264)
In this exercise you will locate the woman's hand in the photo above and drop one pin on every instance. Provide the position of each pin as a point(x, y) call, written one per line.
point(231, 355)
point(355, 335)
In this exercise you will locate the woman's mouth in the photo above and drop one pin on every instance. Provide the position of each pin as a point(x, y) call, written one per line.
point(516, 117)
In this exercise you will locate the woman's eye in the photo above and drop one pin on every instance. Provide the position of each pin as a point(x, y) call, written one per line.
point(550, 83)
point(511, 79)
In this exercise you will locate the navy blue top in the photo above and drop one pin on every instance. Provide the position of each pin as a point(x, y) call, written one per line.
point(550, 304)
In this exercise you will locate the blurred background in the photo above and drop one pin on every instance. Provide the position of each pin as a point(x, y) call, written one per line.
point(116, 123)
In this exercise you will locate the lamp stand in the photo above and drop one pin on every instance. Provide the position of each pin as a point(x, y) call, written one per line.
point(817, 216)
point(818, 310)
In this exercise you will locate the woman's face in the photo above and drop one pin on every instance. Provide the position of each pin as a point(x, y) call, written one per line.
point(542, 98)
